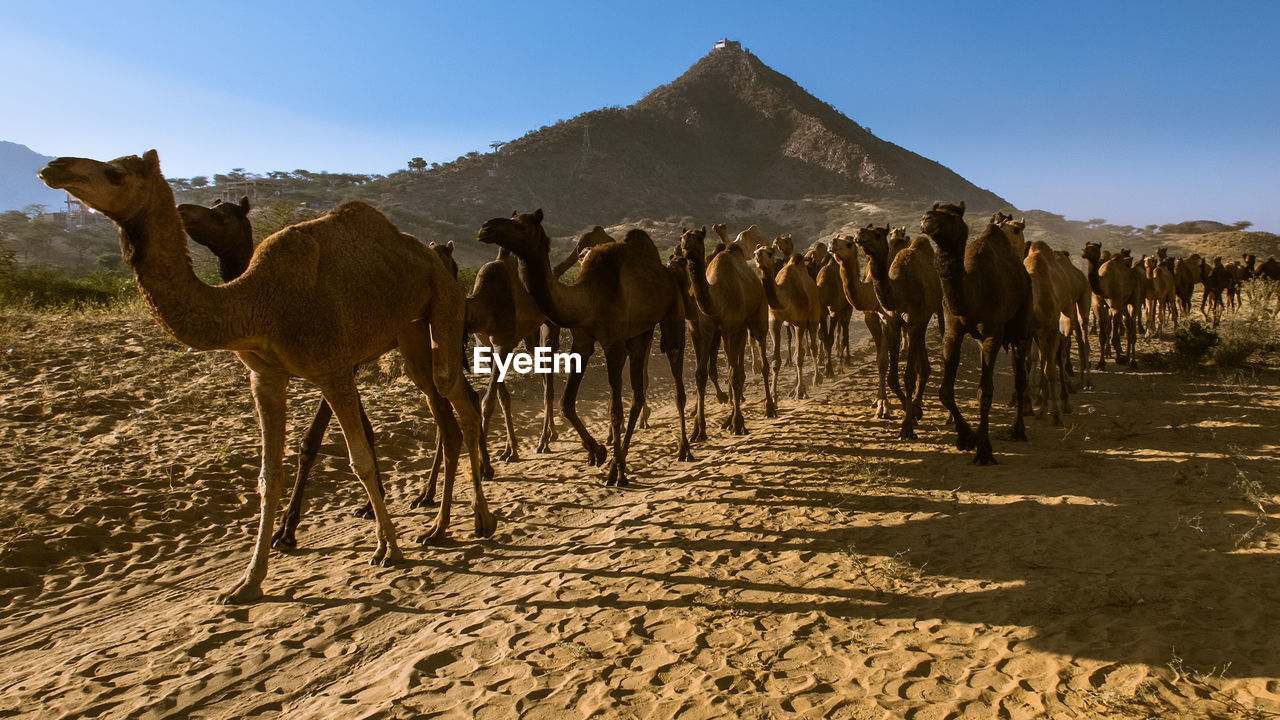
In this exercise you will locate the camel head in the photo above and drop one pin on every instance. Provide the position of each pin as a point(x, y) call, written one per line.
point(1092, 252)
point(1150, 263)
point(693, 243)
point(784, 245)
point(945, 220)
point(224, 228)
point(721, 232)
point(445, 251)
point(767, 259)
point(817, 256)
point(120, 189)
point(1162, 253)
point(521, 233)
point(1013, 229)
point(874, 241)
point(843, 249)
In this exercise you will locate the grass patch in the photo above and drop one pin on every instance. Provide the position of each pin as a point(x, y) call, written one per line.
point(39, 288)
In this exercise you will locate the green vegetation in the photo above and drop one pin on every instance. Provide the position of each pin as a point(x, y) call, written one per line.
point(42, 287)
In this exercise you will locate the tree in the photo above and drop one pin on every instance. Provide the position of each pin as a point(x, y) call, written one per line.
point(1242, 225)
point(199, 181)
point(417, 164)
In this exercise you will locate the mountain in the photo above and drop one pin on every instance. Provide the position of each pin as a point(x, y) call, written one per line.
point(19, 186)
point(726, 141)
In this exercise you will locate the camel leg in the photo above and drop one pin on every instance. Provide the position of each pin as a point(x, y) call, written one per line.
point(813, 348)
point(1050, 363)
point(713, 369)
point(965, 439)
point(1132, 340)
point(735, 345)
point(1021, 353)
point(427, 498)
point(758, 343)
point(584, 345)
point(672, 345)
point(892, 343)
point(345, 400)
point(702, 342)
point(269, 400)
point(799, 393)
point(876, 328)
point(909, 398)
point(551, 339)
point(454, 405)
point(775, 327)
point(285, 535)
point(990, 351)
point(615, 357)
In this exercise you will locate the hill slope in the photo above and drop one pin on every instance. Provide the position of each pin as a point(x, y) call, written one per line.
point(18, 184)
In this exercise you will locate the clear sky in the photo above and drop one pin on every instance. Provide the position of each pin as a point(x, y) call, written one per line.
point(1136, 112)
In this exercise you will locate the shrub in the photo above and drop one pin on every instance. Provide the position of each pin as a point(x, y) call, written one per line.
point(44, 287)
point(1192, 344)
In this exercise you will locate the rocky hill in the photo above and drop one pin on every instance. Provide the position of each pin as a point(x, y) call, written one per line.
point(18, 184)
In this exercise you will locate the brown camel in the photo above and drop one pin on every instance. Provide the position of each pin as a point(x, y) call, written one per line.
point(750, 240)
point(861, 294)
point(317, 298)
point(501, 313)
point(985, 293)
point(1160, 300)
point(1186, 273)
point(833, 329)
point(730, 303)
point(1216, 280)
point(907, 286)
point(225, 229)
point(594, 237)
point(792, 297)
point(1077, 316)
point(1116, 290)
point(622, 292)
point(1052, 297)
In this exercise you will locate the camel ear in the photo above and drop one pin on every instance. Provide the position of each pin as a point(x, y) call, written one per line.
point(514, 213)
point(450, 246)
point(704, 229)
point(216, 203)
point(537, 214)
point(152, 158)
point(935, 205)
point(244, 204)
point(961, 207)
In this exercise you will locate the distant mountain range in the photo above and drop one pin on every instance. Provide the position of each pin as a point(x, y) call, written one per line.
point(19, 186)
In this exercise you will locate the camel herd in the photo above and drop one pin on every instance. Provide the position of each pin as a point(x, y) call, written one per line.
point(320, 298)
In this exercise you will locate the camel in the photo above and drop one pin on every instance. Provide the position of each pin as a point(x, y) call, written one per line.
point(1216, 280)
point(907, 286)
point(317, 298)
point(502, 313)
point(1052, 297)
point(986, 293)
point(622, 292)
point(1077, 315)
point(793, 299)
point(225, 229)
point(730, 303)
point(750, 240)
point(861, 295)
point(594, 237)
point(836, 310)
point(1114, 289)
point(1186, 273)
point(1160, 299)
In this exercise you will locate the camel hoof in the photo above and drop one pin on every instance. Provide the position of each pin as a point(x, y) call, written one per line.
point(985, 459)
point(596, 455)
point(433, 536)
point(1020, 434)
point(1100, 366)
point(616, 476)
point(486, 524)
point(543, 448)
point(771, 411)
point(423, 500)
point(907, 434)
point(686, 454)
point(699, 433)
point(284, 540)
point(241, 592)
point(365, 512)
point(722, 397)
point(486, 472)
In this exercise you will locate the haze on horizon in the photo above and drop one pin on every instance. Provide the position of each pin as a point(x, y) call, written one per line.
point(1139, 113)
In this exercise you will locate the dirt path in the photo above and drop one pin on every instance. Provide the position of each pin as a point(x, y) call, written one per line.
point(1119, 566)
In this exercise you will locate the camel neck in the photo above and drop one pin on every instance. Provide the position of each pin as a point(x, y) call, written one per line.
point(951, 274)
point(885, 291)
point(563, 305)
point(701, 288)
point(771, 288)
point(154, 245)
point(1094, 283)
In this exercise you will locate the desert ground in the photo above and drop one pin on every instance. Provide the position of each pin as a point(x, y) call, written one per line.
point(1124, 565)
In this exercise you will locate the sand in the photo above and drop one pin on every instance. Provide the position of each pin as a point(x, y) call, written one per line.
point(1124, 565)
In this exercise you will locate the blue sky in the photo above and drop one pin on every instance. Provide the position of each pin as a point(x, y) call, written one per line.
point(1137, 112)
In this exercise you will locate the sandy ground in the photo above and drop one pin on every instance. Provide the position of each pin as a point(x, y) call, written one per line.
point(1124, 565)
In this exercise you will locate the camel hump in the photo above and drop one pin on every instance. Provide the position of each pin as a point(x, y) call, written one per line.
point(637, 240)
point(1040, 246)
